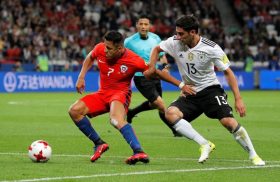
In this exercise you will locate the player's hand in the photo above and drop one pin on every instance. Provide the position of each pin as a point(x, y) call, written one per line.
point(182, 94)
point(165, 70)
point(80, 85)
point(188, 90)
point(150, 73)
point(240, 107)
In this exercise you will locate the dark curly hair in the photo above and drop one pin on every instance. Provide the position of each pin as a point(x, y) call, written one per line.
point(188, 23)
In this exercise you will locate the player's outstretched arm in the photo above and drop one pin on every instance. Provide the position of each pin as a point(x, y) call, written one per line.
point(80, 84)
point(239, 105)
point(165, 76)
point(153, 60)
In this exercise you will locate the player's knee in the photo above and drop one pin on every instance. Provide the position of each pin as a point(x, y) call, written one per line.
point(173, 112)
point(117, 123)
point(229, 123)
point(72, 110)
point(75, 111)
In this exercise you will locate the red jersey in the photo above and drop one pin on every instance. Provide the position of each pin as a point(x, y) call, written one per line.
point(117, 75)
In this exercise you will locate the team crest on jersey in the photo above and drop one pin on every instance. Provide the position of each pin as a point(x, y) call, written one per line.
point(201, 56)
point(123, 68)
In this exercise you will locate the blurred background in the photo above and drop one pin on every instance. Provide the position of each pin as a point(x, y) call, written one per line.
point(54, 37)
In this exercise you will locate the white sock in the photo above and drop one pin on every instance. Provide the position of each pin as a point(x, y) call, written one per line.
point(185, 128)
point(242, 137)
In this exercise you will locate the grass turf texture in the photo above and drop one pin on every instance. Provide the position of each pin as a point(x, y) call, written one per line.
point(26, 117)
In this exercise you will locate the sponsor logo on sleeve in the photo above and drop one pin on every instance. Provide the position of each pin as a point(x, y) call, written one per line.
point(225, 59)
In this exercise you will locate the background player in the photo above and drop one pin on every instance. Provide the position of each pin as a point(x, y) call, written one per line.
point(142, 43)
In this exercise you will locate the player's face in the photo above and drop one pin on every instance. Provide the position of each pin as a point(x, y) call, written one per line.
point(186, 37)
point(112, 51)
point(143, 26)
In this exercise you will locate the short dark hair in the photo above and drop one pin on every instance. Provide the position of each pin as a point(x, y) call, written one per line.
point(142, 16)
point(188, 22)
point(114, 36)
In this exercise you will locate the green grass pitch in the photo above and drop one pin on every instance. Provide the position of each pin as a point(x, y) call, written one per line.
point(26, 117)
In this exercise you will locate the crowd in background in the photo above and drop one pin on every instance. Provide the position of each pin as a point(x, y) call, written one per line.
point(260, 20)
point(61, 33)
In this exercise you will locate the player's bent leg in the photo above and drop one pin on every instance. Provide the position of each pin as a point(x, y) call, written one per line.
point(229, 123)
point(117, 113)
point(241, 136)
point(159, 104)
point(138, 154)
point(145, 106)
point(185, 129)
point(206, 147)
point(77, 112)
point(172, 114)
point(170, 126)
point(129, 116)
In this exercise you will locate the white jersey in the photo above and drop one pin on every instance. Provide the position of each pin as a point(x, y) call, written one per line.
point(196, 65)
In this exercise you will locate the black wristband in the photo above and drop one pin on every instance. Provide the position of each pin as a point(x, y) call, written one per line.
point(165, 65)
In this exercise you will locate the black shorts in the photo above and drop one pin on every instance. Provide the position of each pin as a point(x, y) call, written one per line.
point(150, 89)
point(212, 101)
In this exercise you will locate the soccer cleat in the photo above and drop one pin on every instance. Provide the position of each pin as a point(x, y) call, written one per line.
point(99, 150)
point(257, 161)
point(142, 157)
point(205, 150)
point(129, 116)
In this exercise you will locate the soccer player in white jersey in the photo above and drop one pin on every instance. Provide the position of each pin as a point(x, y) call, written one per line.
point(196, 58)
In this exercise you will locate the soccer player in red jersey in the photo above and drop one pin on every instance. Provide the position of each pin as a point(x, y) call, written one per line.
point(117, 66)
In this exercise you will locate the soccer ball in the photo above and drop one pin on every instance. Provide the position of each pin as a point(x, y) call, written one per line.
point(39, 151)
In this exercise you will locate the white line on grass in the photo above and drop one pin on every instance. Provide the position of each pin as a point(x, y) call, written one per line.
point(144, 173)
point(122, 157)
